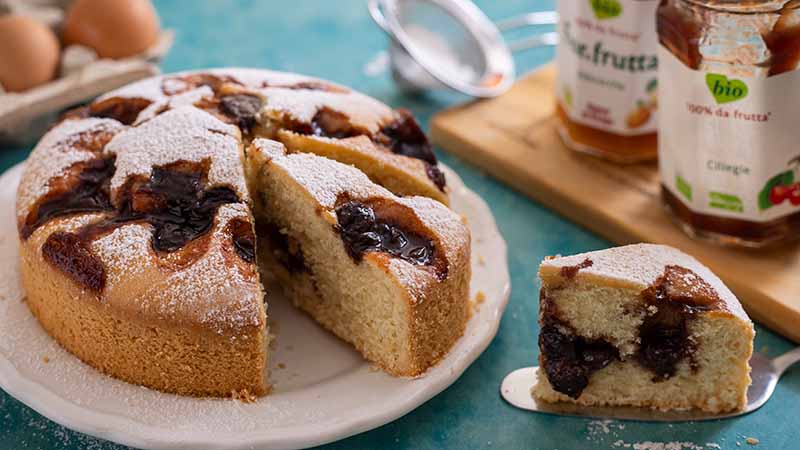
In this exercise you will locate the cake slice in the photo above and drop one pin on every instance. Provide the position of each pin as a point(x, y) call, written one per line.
point(641, 325)
point(389, 275)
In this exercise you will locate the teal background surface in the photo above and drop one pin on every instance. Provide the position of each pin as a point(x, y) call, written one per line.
point(334, 40)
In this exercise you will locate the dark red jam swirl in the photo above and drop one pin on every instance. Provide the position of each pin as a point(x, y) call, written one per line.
point(402, 136)
point(242, 109)
point(567, 359)
point(664, 336)
point(87, 191)
point(174, 201)
point(363, 232)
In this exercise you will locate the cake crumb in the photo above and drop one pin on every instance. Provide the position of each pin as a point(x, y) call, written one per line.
point(476, 303)
point(481, 260)
point(752, 441)
point(244, 396)
point(46, 359)
point(281, 366)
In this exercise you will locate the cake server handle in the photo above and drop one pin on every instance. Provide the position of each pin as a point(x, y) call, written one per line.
point(788, 359)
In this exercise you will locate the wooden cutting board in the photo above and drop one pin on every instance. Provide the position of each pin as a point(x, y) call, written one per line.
point(513, 138)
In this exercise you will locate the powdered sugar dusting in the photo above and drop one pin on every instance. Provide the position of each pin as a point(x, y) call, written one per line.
point(212, 291)
point(302, 104)
point(183, 99)
point(149, 88)
point(185, 133)
point(326, 180)
point(314, 173)
point(642, 264)
point(126, 253)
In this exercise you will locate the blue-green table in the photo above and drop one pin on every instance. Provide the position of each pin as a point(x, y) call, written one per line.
point(334, 40)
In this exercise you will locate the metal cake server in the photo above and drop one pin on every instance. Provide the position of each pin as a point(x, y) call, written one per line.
point(516, 390)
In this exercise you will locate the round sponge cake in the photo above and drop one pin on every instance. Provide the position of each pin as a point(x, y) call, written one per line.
point(138, 226)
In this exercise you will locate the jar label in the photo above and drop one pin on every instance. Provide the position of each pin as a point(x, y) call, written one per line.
point(729, 145)
point(608, 64)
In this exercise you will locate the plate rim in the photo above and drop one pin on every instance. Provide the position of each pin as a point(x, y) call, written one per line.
point(111, 427)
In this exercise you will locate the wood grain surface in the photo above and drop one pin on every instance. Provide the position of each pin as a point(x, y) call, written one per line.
point(513, 138)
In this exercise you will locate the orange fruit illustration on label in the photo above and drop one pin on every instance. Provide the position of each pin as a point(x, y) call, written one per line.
point(638, 117)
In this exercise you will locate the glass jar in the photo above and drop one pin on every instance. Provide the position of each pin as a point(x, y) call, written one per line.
point(729, 136)
point(607, 62)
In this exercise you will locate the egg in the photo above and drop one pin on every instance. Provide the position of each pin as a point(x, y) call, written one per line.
point(112, 28)
point(29, 53)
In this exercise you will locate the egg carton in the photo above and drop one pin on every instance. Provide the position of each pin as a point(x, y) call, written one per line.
point(24, 116)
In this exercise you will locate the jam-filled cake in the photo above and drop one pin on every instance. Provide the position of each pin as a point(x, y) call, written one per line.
point(641, 325)
point(386, 274)
point(139, 244)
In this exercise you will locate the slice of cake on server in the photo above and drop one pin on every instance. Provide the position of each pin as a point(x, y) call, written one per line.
point(641, 325)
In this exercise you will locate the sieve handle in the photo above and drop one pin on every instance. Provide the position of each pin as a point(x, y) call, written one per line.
point(531, 19)
point(377, 15)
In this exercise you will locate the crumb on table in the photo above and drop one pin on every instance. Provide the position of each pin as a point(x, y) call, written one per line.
point(752, 441)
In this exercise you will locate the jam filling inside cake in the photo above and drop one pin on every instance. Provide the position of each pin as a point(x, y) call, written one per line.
point(174, 201)
point(569, 360)
point(309, 86)
point(238, 109)
point(180, 84)
point(363, 232)
point(123, 110)
point(244, 240)
point(84, 188)
point(569, 272)
point(404, 137)
point(286, 250)
point(242, 108)
point(664, 337)
point(678, 295)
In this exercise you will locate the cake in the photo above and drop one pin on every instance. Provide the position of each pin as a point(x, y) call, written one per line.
point(641, 325)
point(404, 265)
point(142, 226)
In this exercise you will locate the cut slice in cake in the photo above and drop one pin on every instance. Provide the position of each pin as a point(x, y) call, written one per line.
point(389, 275)
point(641, 325)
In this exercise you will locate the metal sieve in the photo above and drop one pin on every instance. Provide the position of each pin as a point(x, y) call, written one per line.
point(451, 43)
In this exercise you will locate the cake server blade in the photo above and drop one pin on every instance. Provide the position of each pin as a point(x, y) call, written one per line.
point(517, 385)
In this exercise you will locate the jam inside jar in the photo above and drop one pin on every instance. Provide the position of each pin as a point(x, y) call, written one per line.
point(608, 64)
point(728, 153)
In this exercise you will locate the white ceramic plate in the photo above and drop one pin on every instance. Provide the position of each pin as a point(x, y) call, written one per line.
point(324, 391)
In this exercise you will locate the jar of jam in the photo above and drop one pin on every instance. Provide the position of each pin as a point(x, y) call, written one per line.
point(729, 136)
point(608, 66)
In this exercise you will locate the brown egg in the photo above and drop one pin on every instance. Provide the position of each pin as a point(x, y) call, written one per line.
point(29, 53)
point(113, 28)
